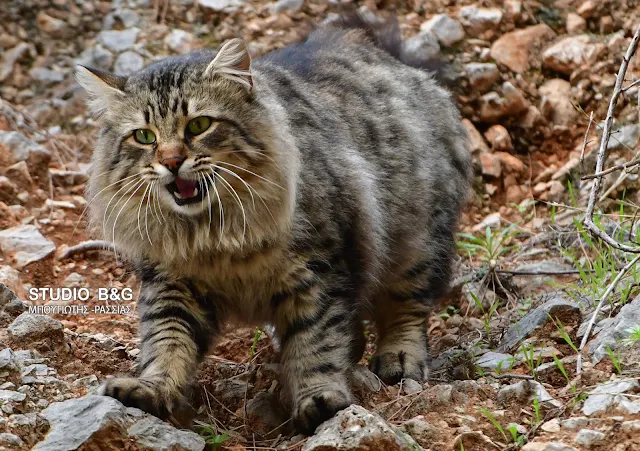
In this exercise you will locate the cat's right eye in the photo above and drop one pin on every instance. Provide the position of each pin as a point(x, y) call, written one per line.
point(144, 136)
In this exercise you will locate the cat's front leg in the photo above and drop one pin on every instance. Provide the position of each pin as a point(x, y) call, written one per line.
point(176, 328)
point(318, 329)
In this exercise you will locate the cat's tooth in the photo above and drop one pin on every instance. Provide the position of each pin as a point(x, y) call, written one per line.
point(178, 195)
point(195, 192)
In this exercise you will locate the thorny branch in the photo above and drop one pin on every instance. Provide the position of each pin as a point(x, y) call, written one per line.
point(595, 189)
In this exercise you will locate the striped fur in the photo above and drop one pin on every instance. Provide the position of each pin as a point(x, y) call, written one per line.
point(341, 173)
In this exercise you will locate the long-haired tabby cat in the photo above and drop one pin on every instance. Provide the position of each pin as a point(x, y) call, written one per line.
point(316, 186)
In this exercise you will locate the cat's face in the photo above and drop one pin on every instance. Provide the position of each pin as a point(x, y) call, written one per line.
point(182, 140)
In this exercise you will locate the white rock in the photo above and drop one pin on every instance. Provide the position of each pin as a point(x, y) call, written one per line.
point(526, 391)
point(447, 30)
point(20, 148)
point(557, 102)
point(221, 5)
point(287, 5)
point(571, 52)
point(128, 63)
point(179, 41)
point(615, 331)
point(608, 395)
point(494, 360)
point(100, 422)
point(478, 20)
point(482, 75)
point(9, 59)
point(74, 280)
point(355, 428)
point(118, 40)
point(492, 221)
point(8, 439)
point(422, 47)
point(28, 327)
point(547, 446)
point(96, 57)
point(25, 244)
point(589, 437)
point(45, 75)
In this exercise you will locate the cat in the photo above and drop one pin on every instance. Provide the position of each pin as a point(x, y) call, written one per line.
point(312, 188)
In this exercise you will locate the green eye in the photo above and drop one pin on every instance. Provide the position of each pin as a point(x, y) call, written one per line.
point(198, 125)
point(144, 136)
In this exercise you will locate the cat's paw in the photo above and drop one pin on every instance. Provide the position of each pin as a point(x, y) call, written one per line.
point(317, 408)
point(391, 367)
point(140, 393)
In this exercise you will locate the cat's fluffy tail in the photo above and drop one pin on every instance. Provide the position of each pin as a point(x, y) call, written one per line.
point(386, 34)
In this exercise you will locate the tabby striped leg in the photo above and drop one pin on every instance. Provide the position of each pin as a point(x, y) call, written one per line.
point(175, 334)
point(317, 331)
point(402, 350)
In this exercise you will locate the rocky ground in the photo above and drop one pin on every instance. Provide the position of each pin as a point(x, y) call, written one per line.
point(527, 75)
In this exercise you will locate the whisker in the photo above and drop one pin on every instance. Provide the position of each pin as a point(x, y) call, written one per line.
point(86, 207)
point(215, 190)
point(250, 172)
point(140, 208)
point(113, 232)
point(146, 213)
point(233, 192)
point(130, 183)
point(206, 185)
point(230, 172)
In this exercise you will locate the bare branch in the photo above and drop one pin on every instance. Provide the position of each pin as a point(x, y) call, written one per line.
point(606, 294)
point(602, 153)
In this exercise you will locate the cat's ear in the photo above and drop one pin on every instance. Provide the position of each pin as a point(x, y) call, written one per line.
point(233, 62)
point(103, 87)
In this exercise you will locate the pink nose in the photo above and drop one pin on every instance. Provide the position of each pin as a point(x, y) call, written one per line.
point(173, 163)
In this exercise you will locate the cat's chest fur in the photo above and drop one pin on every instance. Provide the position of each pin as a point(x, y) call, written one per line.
point(244, 284)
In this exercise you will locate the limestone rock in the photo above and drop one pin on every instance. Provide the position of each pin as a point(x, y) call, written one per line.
point(25, 244)
point(616, 331)
point(357, 429)
point(422, 48)
point(518, 49)
point(477, 20)
point(179, 41)
point(567, 311)
point(609, 395)
point(118, 40)
point(447, 30)
point(589, 437)
point(30, 327)
point(557, 102)
point(571, 52)
point(128, 63)
point(100, 422)
point(221, 5)
point(482, 75)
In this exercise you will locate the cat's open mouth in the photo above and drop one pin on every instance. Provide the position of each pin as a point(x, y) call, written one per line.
point(185, 191)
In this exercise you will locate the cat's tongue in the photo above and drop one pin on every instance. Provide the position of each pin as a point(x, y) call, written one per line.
point(187, 188)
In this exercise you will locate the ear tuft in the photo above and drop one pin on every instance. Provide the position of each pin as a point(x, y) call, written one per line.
point(233, 62)
point(102, 87)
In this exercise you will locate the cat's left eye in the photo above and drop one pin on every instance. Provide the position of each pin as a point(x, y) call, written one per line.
point(198, 125)
point(144, 136)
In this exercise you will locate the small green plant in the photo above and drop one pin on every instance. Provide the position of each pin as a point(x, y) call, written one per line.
point(560, 366)
point(487, 315)
point(493, 421)
point(257, 335)
point(536, 411)
point(563, 333)
point(490, 246)
point(449, 312)
point(615, 359)
point(634, 335)
point(211, 435)
point(518, 438)
point(530, 360)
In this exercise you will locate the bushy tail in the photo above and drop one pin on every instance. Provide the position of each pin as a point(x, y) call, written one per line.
point(386, 34)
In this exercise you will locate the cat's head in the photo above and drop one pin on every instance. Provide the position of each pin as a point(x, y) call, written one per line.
point(185, 149)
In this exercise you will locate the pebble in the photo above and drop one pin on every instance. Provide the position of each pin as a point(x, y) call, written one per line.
point(479, 20)
point(28, 327)
point(448, 31)
point(589, 437)
point(118, 40)
point(482, 75)
point(128, 63)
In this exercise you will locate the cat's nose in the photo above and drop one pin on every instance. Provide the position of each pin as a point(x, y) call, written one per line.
point(173, 163)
